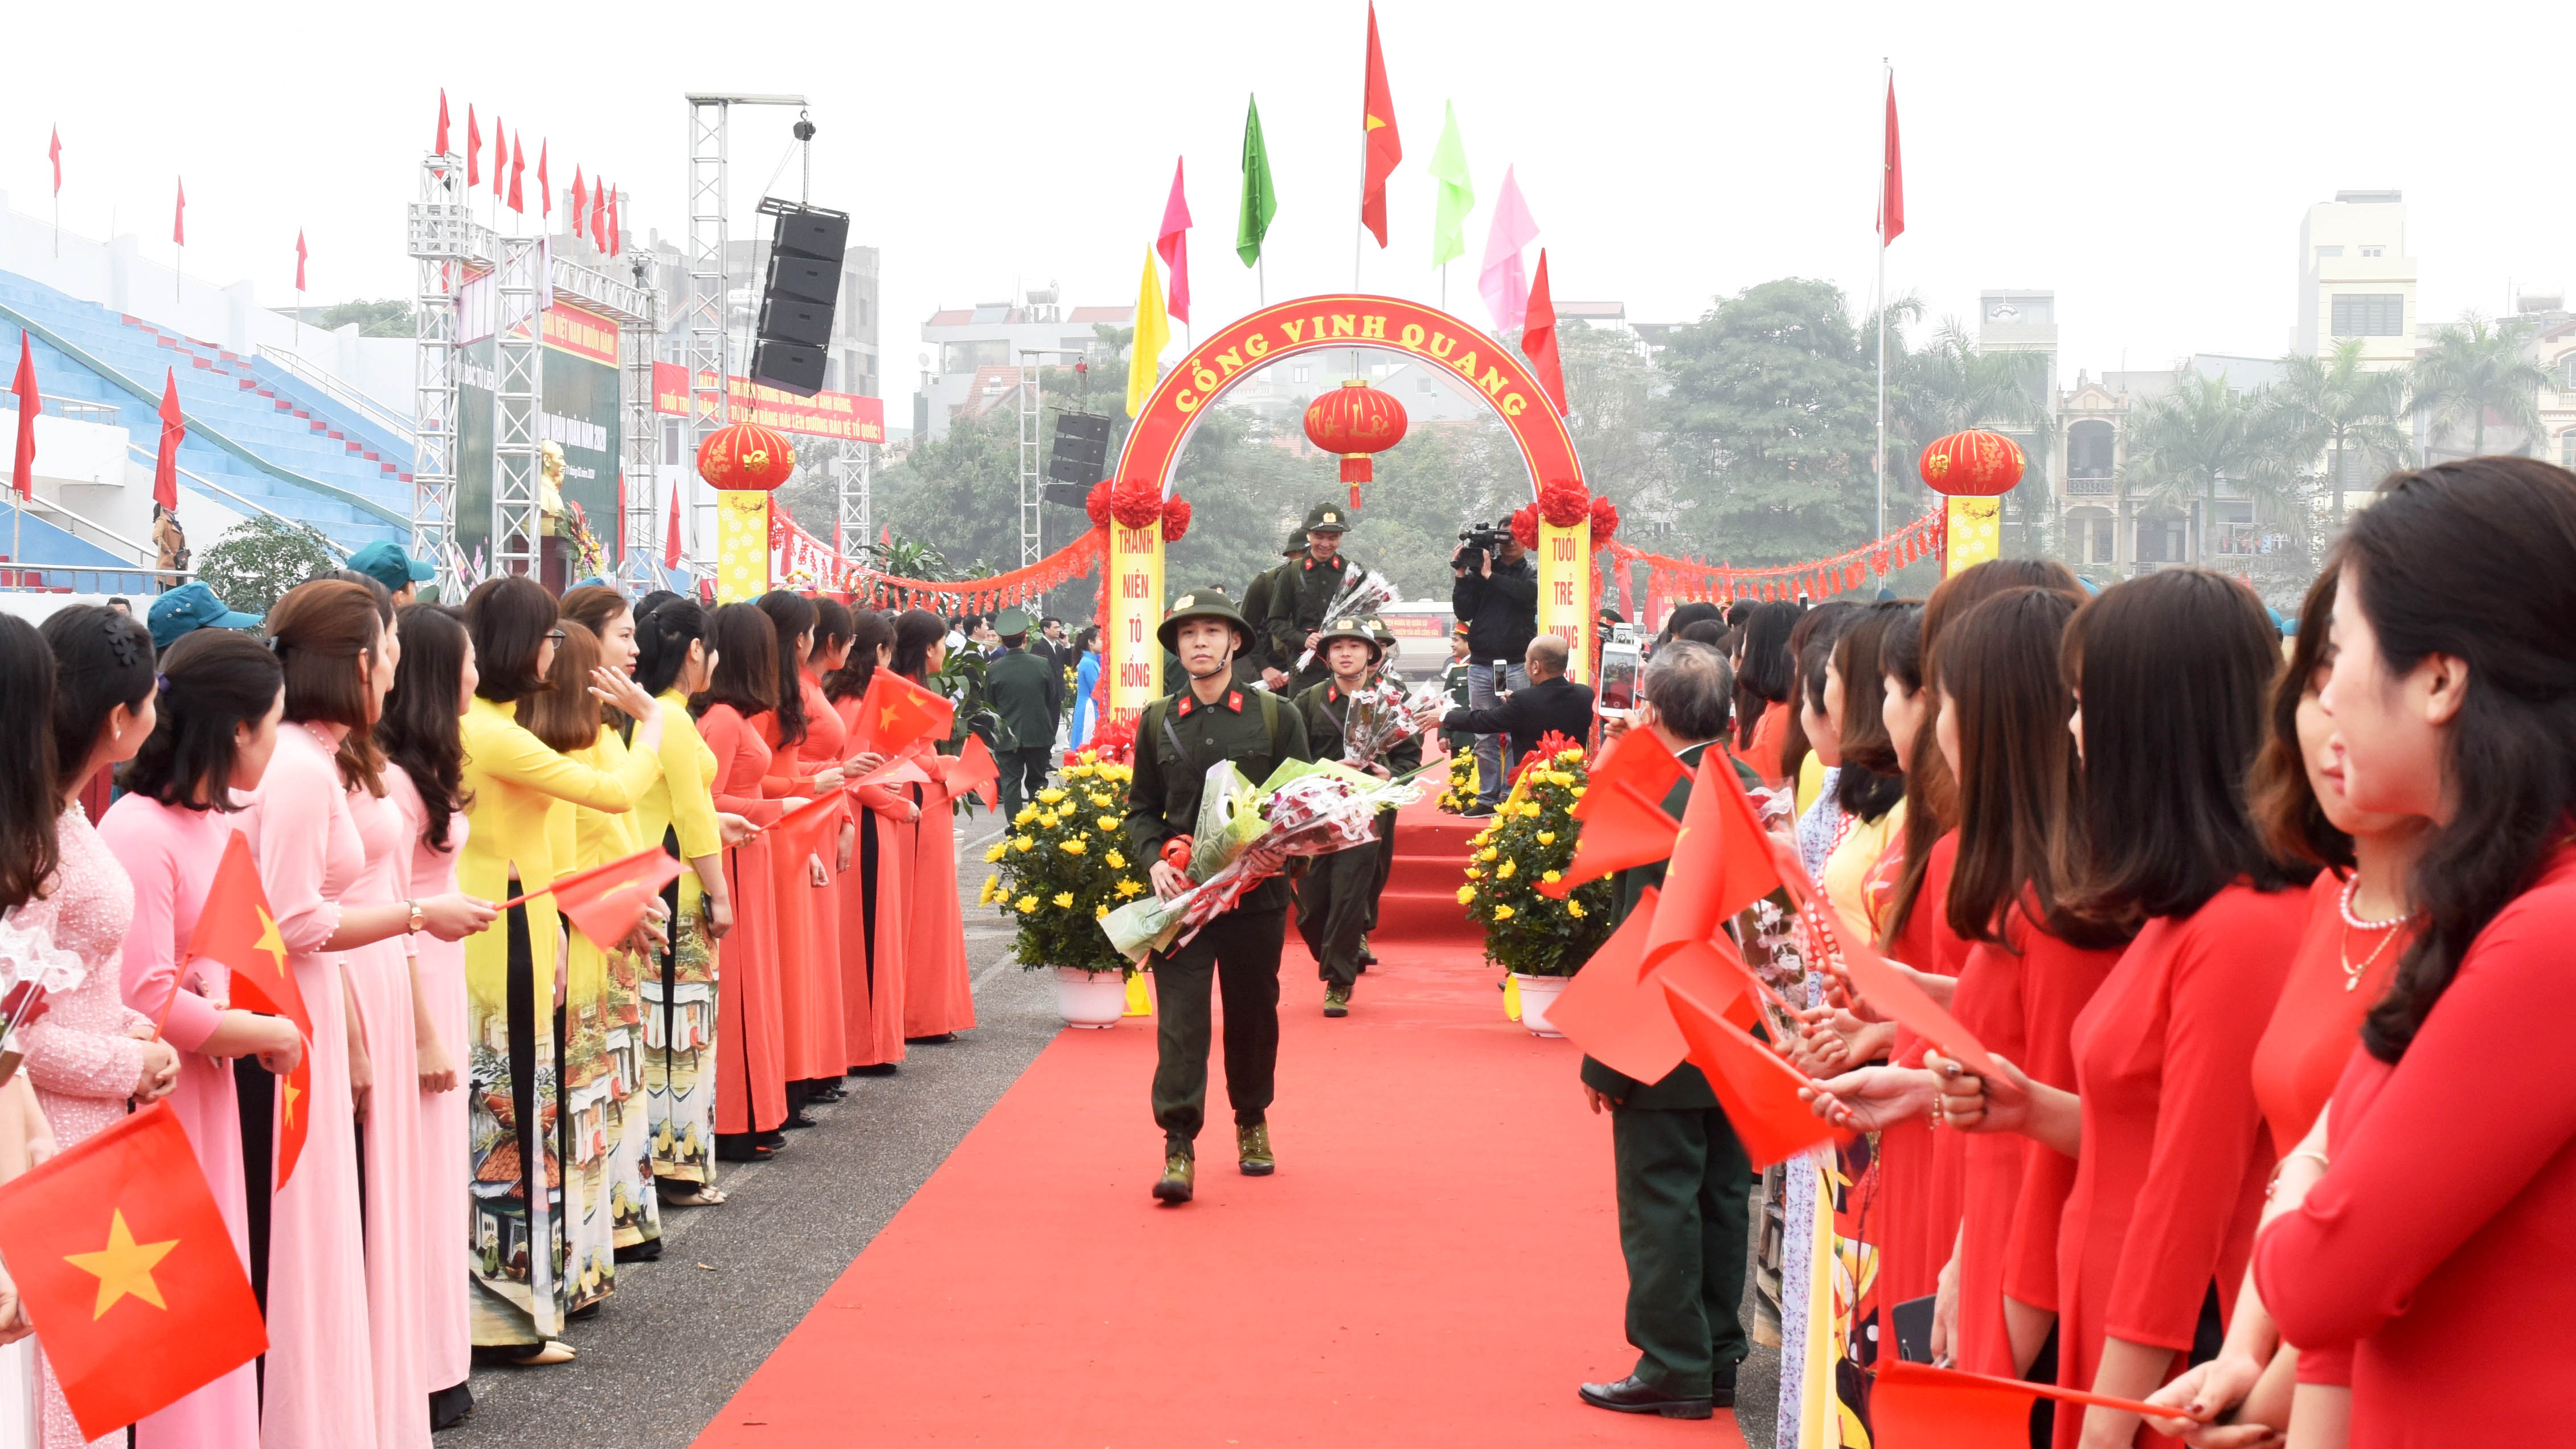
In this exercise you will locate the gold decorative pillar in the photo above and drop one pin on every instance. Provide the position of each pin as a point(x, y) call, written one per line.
point(1565, 592)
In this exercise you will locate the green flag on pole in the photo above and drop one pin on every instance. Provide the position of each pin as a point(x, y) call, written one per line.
point(1457, 195)
point(1260, 203)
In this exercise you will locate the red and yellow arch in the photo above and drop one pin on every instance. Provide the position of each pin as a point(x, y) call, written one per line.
point(1485, 367)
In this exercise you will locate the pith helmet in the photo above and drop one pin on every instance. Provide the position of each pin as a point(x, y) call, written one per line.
point(1350, 627)
point(1202, 604)
point(1328, 518)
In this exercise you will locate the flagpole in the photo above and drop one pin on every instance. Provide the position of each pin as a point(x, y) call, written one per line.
point(1887, 77)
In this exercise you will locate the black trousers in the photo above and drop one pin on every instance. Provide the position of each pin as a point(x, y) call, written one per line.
point(1684, 1186)
point(1239, 953)
point(1336, 898)
point(1023, 774)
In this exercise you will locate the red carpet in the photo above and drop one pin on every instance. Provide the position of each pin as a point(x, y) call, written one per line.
point(1435, 1262)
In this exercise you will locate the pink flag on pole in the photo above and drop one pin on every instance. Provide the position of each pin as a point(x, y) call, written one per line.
point(299, 259)
point(54, 153)
point(440, 146)
point(1174, 243)
point(500, 155)
point(580, 200)
point(1501, 281)
point(545, 188)
point(179, 216)
point(473, 148)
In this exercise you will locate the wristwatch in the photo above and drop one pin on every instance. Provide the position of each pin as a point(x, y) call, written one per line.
point(417, 919)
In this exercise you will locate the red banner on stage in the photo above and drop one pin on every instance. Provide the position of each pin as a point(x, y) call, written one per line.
point(824, 415)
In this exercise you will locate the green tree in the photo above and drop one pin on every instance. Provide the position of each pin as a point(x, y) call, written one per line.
point(1950, 385)
point(383, 317)
point(2186, 444)
point(1771, 416)
point(2333, 404)
point(256, 561)
point(2475, 368)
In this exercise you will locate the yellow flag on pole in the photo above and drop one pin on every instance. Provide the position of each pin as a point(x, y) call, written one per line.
point(1153, 332)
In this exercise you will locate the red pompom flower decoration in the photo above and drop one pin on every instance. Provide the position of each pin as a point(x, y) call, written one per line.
point(1096, 503)
point(1137, 503)
point(1564, 503)
point(1525, 525)
point(1605, 521)
point(1176, 518)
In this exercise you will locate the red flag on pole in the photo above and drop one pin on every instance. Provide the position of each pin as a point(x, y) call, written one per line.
point(545, 188)
point(441, 147)
point(1891, 183)
point(174, 431)
point(29, 404)
point(1758, 1091)
point(128, 1272)
point(518, 168)
point(1377, 125)
point(1174, 243)
point(1721, 850)
point(54, 153)
point(605, 902)
point(500, 155)
point(616, 225)
point(238, 929)
point(1638, 758)
point(300, 254)
point(580, 201)
point(973, 768)
point(1623, 829)
point(473, 148)
point(671, 546)
point(179, 216)
point(1538, 338)
point(599, 215)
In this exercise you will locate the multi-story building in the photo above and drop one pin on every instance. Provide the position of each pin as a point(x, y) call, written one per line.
point(2356, 280)
point(974, 353)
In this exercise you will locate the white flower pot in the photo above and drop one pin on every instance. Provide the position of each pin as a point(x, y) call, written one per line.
point(1537, 994)
point(1094, 999)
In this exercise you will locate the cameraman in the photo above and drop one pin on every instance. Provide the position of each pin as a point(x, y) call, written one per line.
point(1496, 601)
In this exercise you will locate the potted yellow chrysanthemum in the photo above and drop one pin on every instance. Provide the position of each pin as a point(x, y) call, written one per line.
point(1062, 867)
point(1540, 940)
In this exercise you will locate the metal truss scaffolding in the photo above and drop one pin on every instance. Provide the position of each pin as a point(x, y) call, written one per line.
point(709, 274)
point(640, 569)
point(855, 480)
point(438, 222)
point(518, 405)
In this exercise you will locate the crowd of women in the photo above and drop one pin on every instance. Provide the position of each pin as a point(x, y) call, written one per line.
point(2247, 940)
point(496, 1111)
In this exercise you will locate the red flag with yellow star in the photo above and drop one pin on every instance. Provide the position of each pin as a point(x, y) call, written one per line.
point(606, 901)
point(128, 1272)
point(238, 929)
point(895, 712)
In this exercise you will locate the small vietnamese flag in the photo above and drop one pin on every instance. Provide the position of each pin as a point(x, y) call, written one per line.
point(1757, 1090)
point(1623, 830)
point(973, 768)
point(473, 148)
point(895, 712)
point(1917, 1406)
point(128, 1272)
point(1638, 757)
point(174, 431)
point(1722, 846)
point(606, 901)
point(237, 929)
point(799, 832)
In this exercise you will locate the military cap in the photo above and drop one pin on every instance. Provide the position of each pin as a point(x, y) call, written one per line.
point(1328, 518)
point(1202, 604)
point(1350, 627)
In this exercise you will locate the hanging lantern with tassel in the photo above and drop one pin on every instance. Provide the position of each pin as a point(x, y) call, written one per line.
point(1355, 420)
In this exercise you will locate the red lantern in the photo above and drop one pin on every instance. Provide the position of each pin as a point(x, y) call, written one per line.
point(1355, 420)
point(1973, 464)
point(746, 456)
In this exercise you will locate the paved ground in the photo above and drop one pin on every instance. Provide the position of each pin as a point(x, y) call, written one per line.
point(681, 1335)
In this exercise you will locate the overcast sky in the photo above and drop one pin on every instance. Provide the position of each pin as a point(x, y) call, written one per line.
point(2149, 162)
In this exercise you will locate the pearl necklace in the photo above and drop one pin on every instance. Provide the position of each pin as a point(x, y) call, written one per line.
point(2352, 921)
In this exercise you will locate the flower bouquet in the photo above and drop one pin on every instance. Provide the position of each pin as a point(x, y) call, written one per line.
point(1306, 807)
point(1383, 714)
point(1361, 594)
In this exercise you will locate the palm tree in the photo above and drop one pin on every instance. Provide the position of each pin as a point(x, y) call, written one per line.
point(2476, 368)
point(2328, 404)
point(1950, 384)
point(2183, 444)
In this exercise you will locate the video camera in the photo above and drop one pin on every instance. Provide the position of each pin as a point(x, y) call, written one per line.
point(1479, 538)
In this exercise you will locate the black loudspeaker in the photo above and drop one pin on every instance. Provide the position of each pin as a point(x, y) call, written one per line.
point(807, 277)
point(788, 367)
point(1081, 449)
point(1066, 495)
point(803, 288)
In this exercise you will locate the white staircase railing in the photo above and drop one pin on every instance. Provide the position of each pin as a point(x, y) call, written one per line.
point(374, 411)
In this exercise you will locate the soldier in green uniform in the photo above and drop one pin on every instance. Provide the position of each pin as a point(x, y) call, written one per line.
point(1299, 592)
point(1684, 1183)
point(1022, 688)
point(1256, 610)
point(1208, 719)
point(1337, 896)
point(1386, 641)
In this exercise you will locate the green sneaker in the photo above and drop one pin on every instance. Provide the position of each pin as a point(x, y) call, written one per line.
point(1180, 1174)
point(1337, 1000)
point(1252, 1145)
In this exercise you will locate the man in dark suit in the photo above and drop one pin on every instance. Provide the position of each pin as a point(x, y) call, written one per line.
point(1551, 702)
point(1683, 1181)
point(1022, 689)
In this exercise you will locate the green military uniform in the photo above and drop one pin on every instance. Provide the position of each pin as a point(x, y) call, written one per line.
point(1022, 688)
point(1258, 655)
point(1337, 896)
point(1177, 739)
point(1386, 834)
point(1684, 1190)
point(1299, 592)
